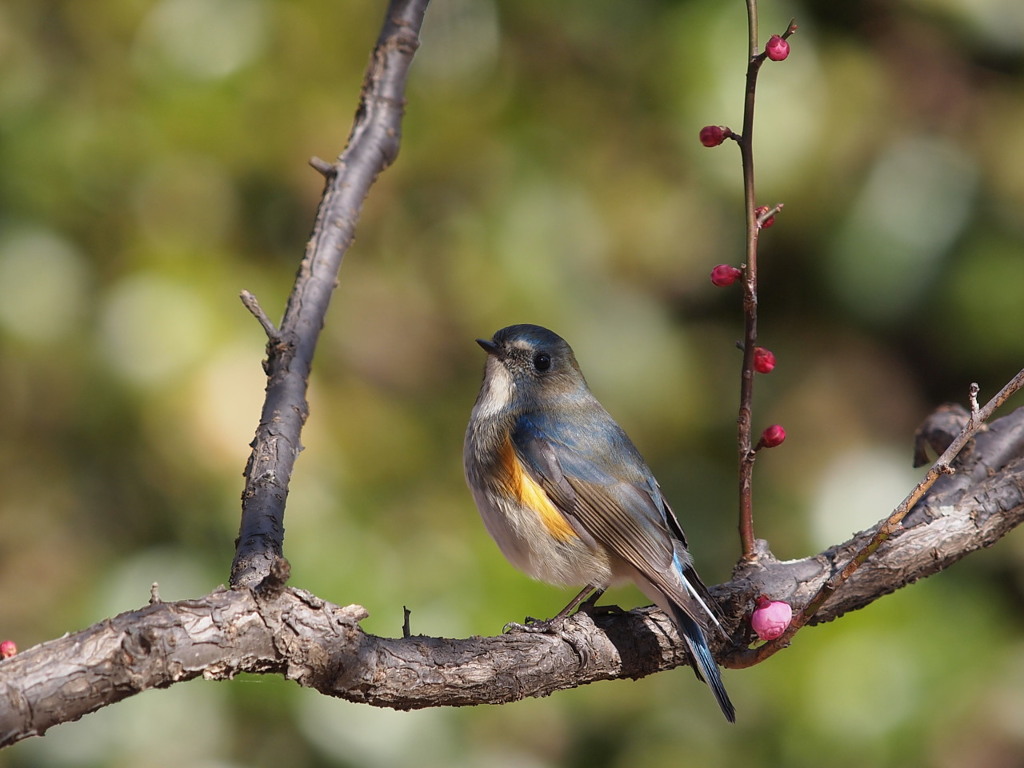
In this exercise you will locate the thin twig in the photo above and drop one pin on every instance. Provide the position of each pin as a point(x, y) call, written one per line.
point(770, 213)
point(324, 168)
point(744, 418)
point(744, 432)
point(254, 307)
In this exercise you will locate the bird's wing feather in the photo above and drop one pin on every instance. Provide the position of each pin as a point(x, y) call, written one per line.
point(628, 515)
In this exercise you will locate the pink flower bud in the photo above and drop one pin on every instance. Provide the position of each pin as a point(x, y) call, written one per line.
point(777, 49)
point(772, 436)
point(713, 135)
point(764, 360)
point(770, 618)
point(7, 649)
point(725, 274)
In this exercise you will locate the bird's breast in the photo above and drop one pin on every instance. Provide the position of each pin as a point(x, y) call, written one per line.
point(530, 530)
point(523, 490)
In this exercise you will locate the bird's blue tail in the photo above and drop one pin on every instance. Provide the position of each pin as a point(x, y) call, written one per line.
point(703, 662)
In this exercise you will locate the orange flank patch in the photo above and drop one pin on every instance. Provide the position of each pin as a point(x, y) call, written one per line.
point(513, 478)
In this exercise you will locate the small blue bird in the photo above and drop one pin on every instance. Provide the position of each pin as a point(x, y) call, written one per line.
point(566, 495)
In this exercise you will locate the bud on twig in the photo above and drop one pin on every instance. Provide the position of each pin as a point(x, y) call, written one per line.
point(777, 49)
point(713, 135)
point(772, 436)
point(771, 618)
point(725, 274)
point(764, 360)
point(760, 211)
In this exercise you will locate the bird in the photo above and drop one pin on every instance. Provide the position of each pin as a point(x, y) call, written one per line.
point(568, 498)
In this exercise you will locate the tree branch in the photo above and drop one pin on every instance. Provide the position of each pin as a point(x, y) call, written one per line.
point(372, 147)
point(278, 630)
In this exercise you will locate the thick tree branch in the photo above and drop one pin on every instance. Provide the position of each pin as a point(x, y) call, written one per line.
point(289, 632)
point(372, 147)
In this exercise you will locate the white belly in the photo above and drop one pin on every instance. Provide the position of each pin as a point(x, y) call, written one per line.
point(529, 546)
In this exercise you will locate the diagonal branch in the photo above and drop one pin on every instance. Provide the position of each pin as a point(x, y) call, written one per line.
point(372, 147)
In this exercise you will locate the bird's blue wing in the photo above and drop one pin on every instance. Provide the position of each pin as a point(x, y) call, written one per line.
point(596, 477)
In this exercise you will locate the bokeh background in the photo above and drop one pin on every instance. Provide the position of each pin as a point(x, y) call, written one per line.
point(153, 164)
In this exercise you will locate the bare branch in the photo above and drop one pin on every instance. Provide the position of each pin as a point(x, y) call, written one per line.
point(372, 147)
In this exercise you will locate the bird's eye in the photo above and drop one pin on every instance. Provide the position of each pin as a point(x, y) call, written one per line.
point(542, 361)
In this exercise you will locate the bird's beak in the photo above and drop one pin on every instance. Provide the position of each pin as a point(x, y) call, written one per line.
point(488, 346)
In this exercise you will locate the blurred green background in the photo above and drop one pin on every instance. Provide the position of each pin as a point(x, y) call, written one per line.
point(153, 164)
